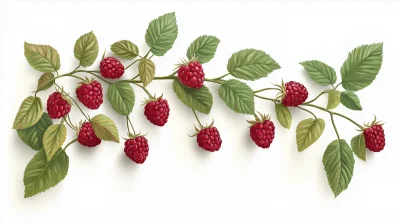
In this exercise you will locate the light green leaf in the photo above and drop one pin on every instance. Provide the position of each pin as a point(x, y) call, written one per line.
point(147, 69)
point(350, 100)
point(308, 131)
point(41, 174)
point(45, 81)
point(362, 66)
point(53, 139)
point(42, 57)
point(251, 64)
point(338, 163)
point(161, 34)
point(283, 115)
point(320, 72)
point(86, 49)
point(29, 113)
point(333, 99)
point(238, 96)
point(104, 128)
point(33, 136)
point(204, 48)
point(197, 99)
point(358, 146)
point(121, 97)
point(125, 49)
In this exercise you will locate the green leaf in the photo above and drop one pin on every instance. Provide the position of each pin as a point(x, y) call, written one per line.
point(147, 69)
point(358, 146)
point(320, 72)
point(29, 113)
point(41, 174)
point(338, 162)
point(53, 139)
point(33, 136)
point(204, 48)
point(42, 57)
point(121, 97)
point(251, 64)
point(362, 66)
point(238, 96)
point(104, 128)
point(45, 81)
point(308, 131)
point(283, 115)
point(333, 99)
point(350, 100)
point(197, 99)
point(161, 34)
point(86, 49)
point(125, 49)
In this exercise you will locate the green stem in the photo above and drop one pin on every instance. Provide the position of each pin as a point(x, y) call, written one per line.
point(145, 56)
point(266, 98)
point(76, 68)
point(135, 77)
point(70, 143)
point(338, 85)
point(95, 75)
point(325, 91)
point(334, 126)
point(214, 81)
point(164, 77)
point(69, 125)
point(301, 108)
point(151, 56)
point(127, 125)
point(221, 77)
point(132, 64)
point(72, 101)
point(261, 90)
point(197, 118)
point(145, 90)
point(130, 122)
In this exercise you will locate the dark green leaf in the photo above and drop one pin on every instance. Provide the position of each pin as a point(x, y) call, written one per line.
point(86, 49)
point(320, 72)
point(350, 100)
point(161, 34)
point(197, 99)
point(33, 136)
point(238, 96)
point(358, 146)
point(121, 97)
point(204, 48)
point(125, 49)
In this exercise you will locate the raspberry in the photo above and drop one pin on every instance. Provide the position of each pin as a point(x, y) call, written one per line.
point(90, 94)
point(295, 94)
point(57, 106)
point(87, 137)
point(209, 139)
point(263, 133)
point(137, 149)
point(111, 68)
point(191, 75)
point(374, 138)
point(157, 111)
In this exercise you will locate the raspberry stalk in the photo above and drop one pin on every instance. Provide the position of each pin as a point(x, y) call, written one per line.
point(83, 113)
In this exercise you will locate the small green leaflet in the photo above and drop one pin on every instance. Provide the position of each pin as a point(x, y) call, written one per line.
point(358, 146)
point(333, 99)
point(320, 72)
point(121, 97)
point(45, 81)
point(86, 49)
point(204, 48)
point(350, 100)
point(308, 132)
point(238, 96)
point(361, 66)
point(42, 57)
point(251, 64)
point(147, 69)
point(41, 174)
point(338, 163)
point(105, 128)
point(283, 115)
point(29, 113)
point(125, 49)
point(197, 99)
point(53, 139)
point(33, 136)
point(161, 34)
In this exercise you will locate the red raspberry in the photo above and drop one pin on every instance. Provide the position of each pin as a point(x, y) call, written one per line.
point(157, 111)
point(295, 94)
point(209, 139)
point(87, 137)
point(90, 94)
point(191, 75)
point(137, 149)
point(111, 68)
point(57, 106)
point(374, 138)
point(263, 133)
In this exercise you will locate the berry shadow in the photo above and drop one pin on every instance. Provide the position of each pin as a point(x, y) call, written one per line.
point(125, 164)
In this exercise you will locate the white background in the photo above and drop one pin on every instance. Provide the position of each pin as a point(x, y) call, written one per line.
point(180, 183)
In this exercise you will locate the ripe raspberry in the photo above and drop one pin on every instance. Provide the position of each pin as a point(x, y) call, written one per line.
point(157, 111)
point(90, 94)
point(87, 137)
point(295, 94)
point(191, 75)
point(57, 106)
point(111, 68)
point(209, 139)
point(137, 149)
point(262, 131)
point(374, 138)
